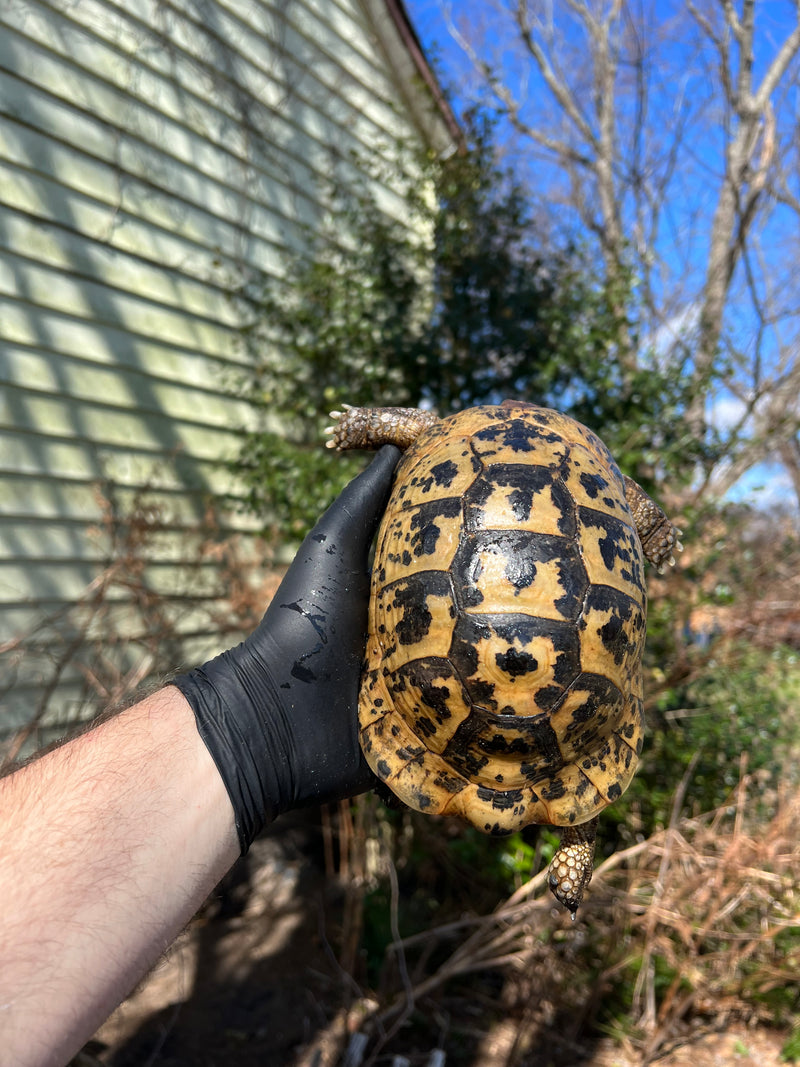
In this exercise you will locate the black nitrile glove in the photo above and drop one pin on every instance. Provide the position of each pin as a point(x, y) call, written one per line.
point(278, 712)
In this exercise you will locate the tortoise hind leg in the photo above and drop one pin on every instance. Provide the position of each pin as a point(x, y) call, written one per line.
point(571, 867)
point(659, 537)
point(373, 427)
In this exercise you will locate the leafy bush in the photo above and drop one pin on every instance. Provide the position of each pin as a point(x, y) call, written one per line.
point(738, 714)
point(459, 303)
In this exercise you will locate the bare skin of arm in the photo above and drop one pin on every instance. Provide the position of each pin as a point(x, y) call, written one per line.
point(109, 845)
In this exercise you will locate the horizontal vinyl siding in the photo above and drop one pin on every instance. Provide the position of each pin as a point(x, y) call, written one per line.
point(154, 157)
point(252, 106)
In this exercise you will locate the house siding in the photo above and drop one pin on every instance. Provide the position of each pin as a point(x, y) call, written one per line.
point(154, 156)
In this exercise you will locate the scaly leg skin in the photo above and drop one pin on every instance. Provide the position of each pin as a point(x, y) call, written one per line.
point(658, 535)
point(572, 866)
point(373, 427)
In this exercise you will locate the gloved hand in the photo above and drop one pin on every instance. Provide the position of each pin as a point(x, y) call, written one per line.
point(278, 712)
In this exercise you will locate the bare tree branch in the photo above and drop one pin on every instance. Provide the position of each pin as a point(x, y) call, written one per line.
point(600, 120)
point(556, 86)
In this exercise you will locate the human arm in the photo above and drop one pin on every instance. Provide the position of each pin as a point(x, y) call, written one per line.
point(109, 844)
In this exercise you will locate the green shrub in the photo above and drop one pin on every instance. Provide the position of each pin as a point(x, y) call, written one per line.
point(741, 711)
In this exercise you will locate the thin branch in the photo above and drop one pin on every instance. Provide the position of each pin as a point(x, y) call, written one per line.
point(776, 70)
point(557, 87)
point(513, 108)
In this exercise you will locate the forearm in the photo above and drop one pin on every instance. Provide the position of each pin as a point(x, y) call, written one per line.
point(109, 845)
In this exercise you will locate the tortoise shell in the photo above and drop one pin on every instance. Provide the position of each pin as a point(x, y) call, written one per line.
point(507, 623)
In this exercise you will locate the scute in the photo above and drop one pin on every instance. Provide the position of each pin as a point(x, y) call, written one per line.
point(507, 622)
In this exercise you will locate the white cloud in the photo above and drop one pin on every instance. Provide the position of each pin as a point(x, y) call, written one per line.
point(725, 411)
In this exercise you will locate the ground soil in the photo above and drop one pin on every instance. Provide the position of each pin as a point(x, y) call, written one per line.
point(254, 981)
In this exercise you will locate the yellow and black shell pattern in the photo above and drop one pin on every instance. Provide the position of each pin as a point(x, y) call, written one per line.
point(507, 622)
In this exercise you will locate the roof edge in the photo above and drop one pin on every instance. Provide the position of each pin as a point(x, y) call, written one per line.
point(405, 28)
point(414, 76)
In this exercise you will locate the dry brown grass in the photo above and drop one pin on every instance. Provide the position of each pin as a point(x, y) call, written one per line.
point(696, 927)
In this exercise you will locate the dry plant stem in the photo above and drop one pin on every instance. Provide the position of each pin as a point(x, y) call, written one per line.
point(646, 974)
point(327, 840)
point(395, 924)
point(120, 632)
point(16, 743)
point(92, 599)
point(519, 905)
point(352, 862)
point(407, 1007)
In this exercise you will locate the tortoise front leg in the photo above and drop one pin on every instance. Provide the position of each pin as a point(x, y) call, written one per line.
point(571, 867)
point(374, 427)
point(659, 537)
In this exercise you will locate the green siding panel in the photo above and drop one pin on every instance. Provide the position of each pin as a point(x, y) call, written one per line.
point(154, 156)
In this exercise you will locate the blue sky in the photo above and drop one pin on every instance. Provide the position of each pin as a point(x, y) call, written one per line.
point(681, 87)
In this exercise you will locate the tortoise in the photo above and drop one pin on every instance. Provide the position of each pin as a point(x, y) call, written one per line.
point(502, 681)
